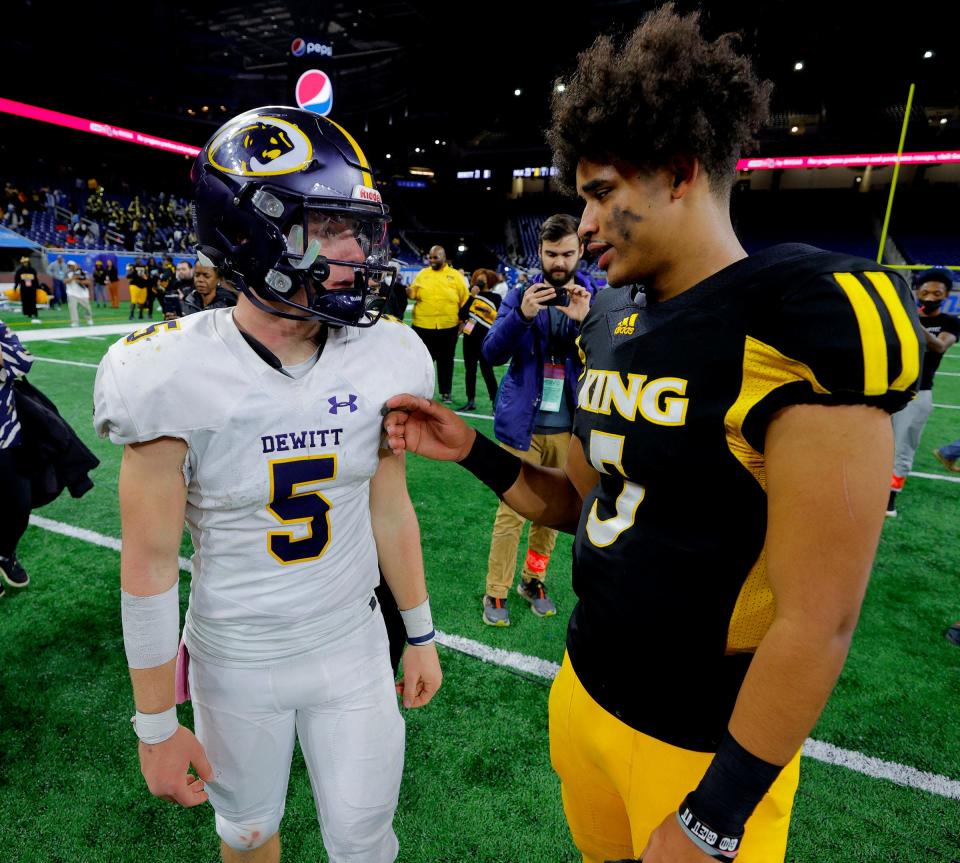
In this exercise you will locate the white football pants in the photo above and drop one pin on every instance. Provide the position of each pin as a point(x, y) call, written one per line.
point(341, 703)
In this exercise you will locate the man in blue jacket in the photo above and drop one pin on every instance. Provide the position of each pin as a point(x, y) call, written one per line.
point(535, 331)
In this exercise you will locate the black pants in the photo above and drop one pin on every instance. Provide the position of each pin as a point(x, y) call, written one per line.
point(471, 357)
point(28, 301)
point(16, 502)
point(396, 631)
point(442, 345)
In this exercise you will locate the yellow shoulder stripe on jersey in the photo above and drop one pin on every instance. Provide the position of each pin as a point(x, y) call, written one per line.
point(909, 344)
point(765, 369)
point(583, 358)
point(367, 170)
point(874, 341)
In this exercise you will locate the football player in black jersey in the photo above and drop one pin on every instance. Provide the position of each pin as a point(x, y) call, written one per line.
point(727, 478)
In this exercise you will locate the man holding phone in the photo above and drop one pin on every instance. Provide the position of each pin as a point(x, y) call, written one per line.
point(535, 331)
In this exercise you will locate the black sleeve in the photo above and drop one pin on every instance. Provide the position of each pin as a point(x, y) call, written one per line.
point(837, 338)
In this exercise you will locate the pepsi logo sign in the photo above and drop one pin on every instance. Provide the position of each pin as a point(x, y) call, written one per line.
point(314, 92)
point(299, 47)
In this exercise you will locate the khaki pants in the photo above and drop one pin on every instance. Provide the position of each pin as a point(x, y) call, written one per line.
point(549, 450)
point(72, 304)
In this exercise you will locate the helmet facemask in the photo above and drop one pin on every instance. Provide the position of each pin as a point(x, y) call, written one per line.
point(286, 206)
point(336, 251)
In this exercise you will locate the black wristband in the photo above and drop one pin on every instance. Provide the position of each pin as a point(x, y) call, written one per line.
point(716, 845)
point(733, 785)
point(492, 465)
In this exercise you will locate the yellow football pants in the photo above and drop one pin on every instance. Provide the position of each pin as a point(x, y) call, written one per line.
point(619, 784)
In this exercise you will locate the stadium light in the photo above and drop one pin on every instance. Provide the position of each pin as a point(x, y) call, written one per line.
point(517, 92)
point(560, 88)
point(798, 66)
point(388, 156)
point(927, 55)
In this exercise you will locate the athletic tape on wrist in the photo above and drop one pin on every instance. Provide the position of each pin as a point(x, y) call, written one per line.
point(155, 727)
point(151, 627)
point(492, 465)
point(419, 624)
point(735, 782)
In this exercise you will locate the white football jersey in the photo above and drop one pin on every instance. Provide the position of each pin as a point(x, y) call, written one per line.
point(277, 470)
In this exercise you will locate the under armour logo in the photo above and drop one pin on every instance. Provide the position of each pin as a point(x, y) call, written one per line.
point(335, 406)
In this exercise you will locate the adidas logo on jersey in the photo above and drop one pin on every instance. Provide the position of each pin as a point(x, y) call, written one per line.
point(625, 327)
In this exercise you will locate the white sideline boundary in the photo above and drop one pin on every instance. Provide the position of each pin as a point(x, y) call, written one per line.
point(900, 774)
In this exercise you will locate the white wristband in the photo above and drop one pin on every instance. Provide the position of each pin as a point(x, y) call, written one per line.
point(151, 627)
point(155, 727)
point(419, 624)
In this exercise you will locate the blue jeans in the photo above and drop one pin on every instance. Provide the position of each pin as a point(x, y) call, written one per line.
point(951, 450)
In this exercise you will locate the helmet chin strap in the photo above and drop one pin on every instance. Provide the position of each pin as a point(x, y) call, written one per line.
point(312, 314)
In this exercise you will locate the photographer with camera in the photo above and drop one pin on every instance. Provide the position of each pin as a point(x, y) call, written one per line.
point(535, 331)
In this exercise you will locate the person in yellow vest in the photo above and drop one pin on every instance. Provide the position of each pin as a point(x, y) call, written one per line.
point(438, 292)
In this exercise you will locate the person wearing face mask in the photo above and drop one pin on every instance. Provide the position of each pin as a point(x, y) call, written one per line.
point(476, 316)
point(940, 331)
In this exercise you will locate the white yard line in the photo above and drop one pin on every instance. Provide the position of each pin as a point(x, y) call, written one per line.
point(64, 362)
point(901, 774)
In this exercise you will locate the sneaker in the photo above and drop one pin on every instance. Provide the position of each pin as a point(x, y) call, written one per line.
point(13, 573)
point(469, 406)
point(892, 505)
point(953, 634)
point(495, 611)
point(534, 592)
point(35, 321)
point(896, 482)
point(90, 322)
point(445, 398)
point(949, 463)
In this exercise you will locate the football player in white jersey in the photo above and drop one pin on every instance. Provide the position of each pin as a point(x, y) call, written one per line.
point(260, 426)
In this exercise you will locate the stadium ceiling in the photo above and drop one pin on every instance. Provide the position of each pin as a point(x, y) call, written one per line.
point(407, 74)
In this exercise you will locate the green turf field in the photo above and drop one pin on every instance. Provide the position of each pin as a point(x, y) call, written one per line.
point(478, 784)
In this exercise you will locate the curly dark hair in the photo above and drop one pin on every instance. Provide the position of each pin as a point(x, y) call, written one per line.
point(667, 92)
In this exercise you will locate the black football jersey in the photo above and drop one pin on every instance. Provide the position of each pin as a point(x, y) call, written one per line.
point(673, 406)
